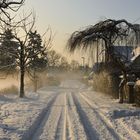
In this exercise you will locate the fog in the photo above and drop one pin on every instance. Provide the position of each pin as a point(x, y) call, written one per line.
point(9, 81)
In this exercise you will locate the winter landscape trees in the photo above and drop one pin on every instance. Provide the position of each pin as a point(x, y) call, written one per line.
point(68, 97)
point(108, 34)
point(21, 46)
point(23, 49)
point(31, 52)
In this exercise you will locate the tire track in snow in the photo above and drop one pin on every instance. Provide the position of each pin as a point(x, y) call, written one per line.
point(122, 135)
point(64, 131)
point(34, 131)
point(103, 119)
point(69, 131)
point(51, 126)
point(131, 132)
point(76, 128)
point(91, 133)
point(65, 119)
point(59, 129)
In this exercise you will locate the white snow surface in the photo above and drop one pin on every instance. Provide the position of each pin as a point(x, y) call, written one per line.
point(70, 111)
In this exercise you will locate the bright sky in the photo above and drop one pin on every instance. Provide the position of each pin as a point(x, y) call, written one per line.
point(66, 16)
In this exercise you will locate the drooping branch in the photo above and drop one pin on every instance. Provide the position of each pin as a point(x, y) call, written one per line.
point(7, 4)
point(111, 32)
point(104, 30)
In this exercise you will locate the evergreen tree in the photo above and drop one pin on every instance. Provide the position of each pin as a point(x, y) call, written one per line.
point(8, 49)
point(38, 62)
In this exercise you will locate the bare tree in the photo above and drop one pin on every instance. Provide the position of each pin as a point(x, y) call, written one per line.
point(27, 52)
point(53, 58)
point(12, 5)
point(64, 63)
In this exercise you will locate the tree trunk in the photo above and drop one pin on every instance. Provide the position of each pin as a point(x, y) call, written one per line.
point(35, 81)
point(108, 51)
point(22, 73)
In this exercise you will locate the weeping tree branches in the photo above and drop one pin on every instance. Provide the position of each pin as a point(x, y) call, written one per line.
point(9, 5)
point(108, 34)
point(111, 32)
point(108, 31)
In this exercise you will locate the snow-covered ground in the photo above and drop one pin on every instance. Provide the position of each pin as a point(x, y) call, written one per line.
point(70, 111)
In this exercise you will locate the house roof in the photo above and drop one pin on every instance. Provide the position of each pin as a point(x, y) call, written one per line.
point(126, 52)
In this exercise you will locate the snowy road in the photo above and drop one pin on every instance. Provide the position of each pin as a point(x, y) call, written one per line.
point(74, 112)
point(74, 115)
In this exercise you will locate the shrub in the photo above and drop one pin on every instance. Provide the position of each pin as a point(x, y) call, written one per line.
point(106, 83)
